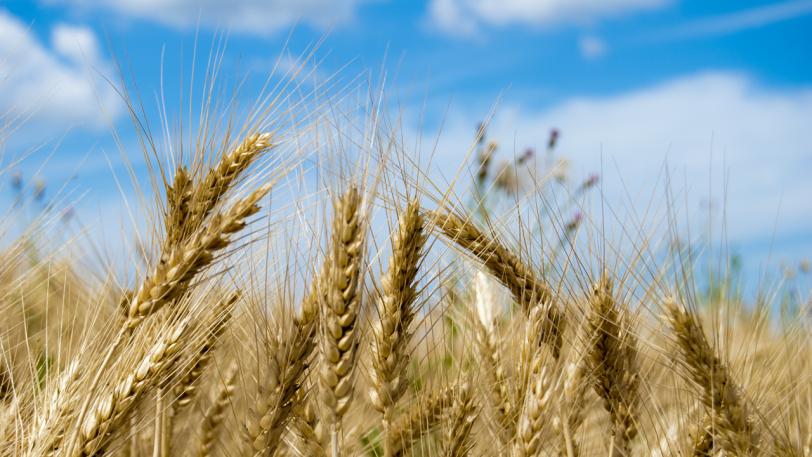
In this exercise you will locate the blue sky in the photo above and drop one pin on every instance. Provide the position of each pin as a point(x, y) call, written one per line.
point(720, 90)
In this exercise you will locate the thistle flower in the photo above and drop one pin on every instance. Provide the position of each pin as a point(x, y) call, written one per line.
point(554, 134)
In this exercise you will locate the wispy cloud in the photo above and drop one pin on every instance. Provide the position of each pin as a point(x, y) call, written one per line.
point(734, 22)
point(256, 17)
point(466, 17)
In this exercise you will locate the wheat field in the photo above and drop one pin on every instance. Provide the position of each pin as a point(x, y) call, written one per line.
point(382, 313)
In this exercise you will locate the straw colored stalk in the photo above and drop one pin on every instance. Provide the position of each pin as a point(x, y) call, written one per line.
point(527, 289)
point(396, 309)
point(732, 430)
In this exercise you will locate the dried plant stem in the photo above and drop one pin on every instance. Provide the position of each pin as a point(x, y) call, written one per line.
point(163, 426)
point(338, 336)
point(612, 360)
point(514, 274)
point(732, 429)
point(396, 312)
point(212, 422)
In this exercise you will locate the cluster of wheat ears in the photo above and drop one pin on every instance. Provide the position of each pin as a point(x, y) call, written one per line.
point(464, 342)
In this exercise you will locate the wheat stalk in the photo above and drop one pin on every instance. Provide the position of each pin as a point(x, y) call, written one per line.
point(733, 430)
point(612, 360)
point(186, 389)
point(526, 288)
point(338, 336)
point(390, 358)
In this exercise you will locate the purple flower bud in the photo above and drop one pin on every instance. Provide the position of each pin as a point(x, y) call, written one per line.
point(591, 181)
point(554, 134)
point(528, 154)
point(575, 221)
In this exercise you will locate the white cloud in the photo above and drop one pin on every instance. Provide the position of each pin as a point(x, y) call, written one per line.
point(58, 85)
point(466, 16)
point(592, 47)
point(719, 125)
point(260, 17)
point(740, 20)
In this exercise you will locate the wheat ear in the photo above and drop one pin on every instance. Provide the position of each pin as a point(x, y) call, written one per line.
point(289, 359)
point(338, 336)
point(421, 417)
point(113, 405)
point(221, 178)
point(186, 389)
point(702, 438)
point(210, 427)
point(572, 406)
point(173, 274)
point(178, 198)
point(612, 362)
point(396, 311)
point(534, 413)
point(526, 288)
point(733, 430)
point(461, 417)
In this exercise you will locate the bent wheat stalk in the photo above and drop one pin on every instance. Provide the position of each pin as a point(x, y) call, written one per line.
point(514, 274)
